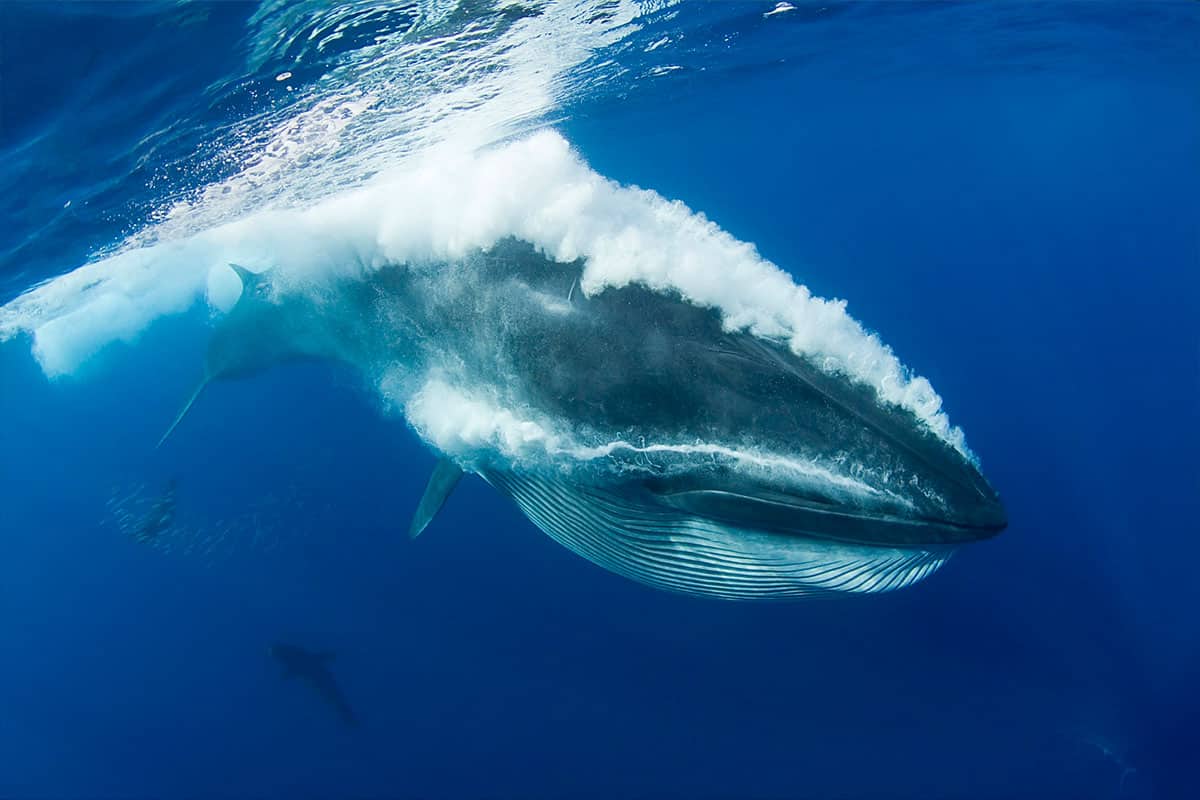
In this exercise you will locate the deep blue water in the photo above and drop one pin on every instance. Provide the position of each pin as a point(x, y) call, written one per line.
point(1006, 193)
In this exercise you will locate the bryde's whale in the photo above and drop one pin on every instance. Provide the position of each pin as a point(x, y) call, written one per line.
point(631, 425)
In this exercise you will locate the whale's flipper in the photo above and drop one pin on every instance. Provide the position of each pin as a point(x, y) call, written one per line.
point(187, 407)
point(441, 483)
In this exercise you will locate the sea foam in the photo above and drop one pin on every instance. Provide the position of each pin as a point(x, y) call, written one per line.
point(445, 206)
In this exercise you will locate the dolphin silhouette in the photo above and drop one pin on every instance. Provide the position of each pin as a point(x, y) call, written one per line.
point(632, 426)
point(312, 667)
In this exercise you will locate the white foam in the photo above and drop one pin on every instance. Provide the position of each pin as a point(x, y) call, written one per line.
point(453, 203)
point(475, 428)
point(467, 427)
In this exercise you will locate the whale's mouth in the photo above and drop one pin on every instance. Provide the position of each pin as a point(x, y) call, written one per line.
point(815, 517)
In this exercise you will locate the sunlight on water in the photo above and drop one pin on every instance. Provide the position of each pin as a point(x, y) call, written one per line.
point(391, 82)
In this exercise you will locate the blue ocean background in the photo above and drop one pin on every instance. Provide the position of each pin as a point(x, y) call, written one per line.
point(1009, 194)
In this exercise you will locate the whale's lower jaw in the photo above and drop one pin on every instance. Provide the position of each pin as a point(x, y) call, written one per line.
point(661, 547)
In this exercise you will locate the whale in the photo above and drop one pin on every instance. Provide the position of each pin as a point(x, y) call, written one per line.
point(631, 425)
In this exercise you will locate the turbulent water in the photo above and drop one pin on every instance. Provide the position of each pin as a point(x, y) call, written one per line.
point(446, 208)
point(489, 216)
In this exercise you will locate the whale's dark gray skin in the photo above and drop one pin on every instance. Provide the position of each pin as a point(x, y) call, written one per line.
point(313, 668)
point(685, 456)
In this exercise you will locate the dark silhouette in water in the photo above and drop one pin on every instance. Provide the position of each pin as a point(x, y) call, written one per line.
point(312, 667)
point(160, 517)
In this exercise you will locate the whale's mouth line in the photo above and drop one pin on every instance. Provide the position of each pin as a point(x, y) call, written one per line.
point(814, 519)
point(628, 529)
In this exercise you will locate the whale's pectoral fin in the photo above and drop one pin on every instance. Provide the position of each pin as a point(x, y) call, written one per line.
point(183, 412)
point(441, 483)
